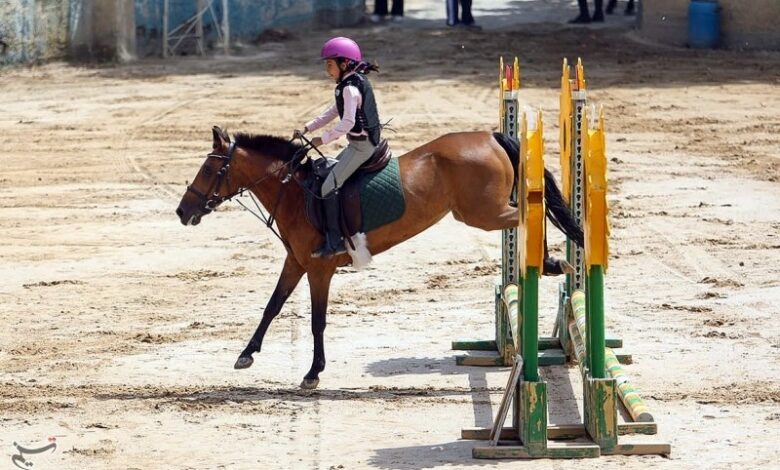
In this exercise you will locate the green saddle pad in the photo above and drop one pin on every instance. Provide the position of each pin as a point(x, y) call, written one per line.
point(381, 197)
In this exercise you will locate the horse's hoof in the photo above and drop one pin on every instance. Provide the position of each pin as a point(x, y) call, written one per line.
point(243, 362)
point(566, 267)
point(310, 384)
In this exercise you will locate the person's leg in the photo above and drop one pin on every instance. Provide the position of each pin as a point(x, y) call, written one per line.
point(630, 8)
point(584, 16)
point(611, 6)
point(349, 160)
point(598, 11)
point(380, 7)
point(452, 12)
point(465, 17)
point(398, 8)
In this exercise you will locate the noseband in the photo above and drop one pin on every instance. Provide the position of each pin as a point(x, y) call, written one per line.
point(209, 203)
point(211, 199)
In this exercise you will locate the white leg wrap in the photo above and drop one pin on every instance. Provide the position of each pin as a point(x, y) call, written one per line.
point(361, 257)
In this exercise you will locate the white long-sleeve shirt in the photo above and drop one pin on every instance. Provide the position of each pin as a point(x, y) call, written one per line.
point(352, 101)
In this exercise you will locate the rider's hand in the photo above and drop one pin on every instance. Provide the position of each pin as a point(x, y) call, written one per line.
point(297, 133)
point(317, 141)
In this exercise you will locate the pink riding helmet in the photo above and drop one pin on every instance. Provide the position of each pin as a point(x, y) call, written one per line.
point(341, 47)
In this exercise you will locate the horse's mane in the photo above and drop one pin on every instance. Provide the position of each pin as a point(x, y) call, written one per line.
point(278, 147)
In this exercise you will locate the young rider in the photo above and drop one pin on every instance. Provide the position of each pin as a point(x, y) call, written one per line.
point(356, 107)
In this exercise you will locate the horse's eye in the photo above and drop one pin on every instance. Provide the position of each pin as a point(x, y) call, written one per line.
point(207, 171)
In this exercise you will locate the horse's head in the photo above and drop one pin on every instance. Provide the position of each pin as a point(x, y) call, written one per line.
point(212, 184)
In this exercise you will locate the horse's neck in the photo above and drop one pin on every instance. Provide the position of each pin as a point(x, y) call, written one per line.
point(275, 196)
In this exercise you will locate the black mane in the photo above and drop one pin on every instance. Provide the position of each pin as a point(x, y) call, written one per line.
point(280, 148)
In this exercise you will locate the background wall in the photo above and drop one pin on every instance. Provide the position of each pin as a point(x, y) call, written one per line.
point(745, 24)
point(33, 30)
point(39, 30)
point(102, 30)
point(247, 18)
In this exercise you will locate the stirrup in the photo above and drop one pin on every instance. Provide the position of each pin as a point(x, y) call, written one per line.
point(329, 250)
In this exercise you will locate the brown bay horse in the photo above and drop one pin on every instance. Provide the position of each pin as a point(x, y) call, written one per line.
point(470, 174)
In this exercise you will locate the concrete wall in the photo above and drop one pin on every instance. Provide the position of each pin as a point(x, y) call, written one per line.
point(33, 30)
point(745, 24)
point(247, 18)
point(39, 30)
point(102, 30)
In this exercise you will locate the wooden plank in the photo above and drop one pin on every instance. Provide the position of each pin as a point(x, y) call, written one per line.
point(547, 342)
point(565, 431)
point(506, 401)
point(532, 400)
point(572, 450)
point(640, 449)
point(572, 431)
point(549, 357)
point(552, 357)
point(625, 358)
point(600, 410)
point(500, 452)
point(637, 428)
point(554, 450)
point(483, 434)
point(480, 361)
point(475, 345)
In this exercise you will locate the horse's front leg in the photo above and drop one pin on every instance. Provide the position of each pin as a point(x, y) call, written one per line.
point(319, 283)
point(291, 275)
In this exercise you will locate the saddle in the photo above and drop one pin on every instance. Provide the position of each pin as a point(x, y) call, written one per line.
point(351, 217)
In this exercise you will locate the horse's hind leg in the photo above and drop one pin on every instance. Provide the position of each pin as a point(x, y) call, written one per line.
point(553, 266)
point(291, 275)
point(489, 216)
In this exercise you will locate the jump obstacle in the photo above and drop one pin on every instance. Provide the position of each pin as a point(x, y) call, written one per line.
point(579, 327)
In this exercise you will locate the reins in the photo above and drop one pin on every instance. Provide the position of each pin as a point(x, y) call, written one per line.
point(292, 165)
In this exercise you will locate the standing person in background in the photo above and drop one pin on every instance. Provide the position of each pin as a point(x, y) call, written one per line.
point(584, 16)
point(598, 11)
point(629, 7)
point(466, 19)
point(380, 10)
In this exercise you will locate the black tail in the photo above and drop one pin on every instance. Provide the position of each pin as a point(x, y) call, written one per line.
point(557, 209)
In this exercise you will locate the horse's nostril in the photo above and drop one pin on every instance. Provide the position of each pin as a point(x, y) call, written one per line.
point(179, 212)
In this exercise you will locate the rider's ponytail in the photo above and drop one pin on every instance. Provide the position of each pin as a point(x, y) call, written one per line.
point(366, 67)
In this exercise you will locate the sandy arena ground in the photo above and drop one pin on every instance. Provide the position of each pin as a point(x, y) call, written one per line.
point(121, 326)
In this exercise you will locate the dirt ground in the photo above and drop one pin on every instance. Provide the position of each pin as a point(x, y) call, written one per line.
point(121, 326)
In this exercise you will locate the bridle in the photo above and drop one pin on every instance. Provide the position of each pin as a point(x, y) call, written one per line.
point(211, 198)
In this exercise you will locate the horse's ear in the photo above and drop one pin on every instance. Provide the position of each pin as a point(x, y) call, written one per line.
point(221, 139)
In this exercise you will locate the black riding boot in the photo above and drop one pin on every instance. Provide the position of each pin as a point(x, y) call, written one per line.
point(598, 13)
point(334, 242)
point(584, 16)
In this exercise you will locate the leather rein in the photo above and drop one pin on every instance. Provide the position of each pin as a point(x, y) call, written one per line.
point(211, 199)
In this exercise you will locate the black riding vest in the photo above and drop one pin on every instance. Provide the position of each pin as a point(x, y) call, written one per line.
point(367, 116)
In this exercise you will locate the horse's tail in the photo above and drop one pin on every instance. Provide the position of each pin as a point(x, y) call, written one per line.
point(511, 147)
point(557, 209)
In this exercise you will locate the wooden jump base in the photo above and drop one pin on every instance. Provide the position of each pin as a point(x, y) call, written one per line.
point(579, 329)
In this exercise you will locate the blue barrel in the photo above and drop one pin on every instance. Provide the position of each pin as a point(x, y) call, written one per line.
point(704, 24)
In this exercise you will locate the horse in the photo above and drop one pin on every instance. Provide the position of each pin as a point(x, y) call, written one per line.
point(470, 174)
